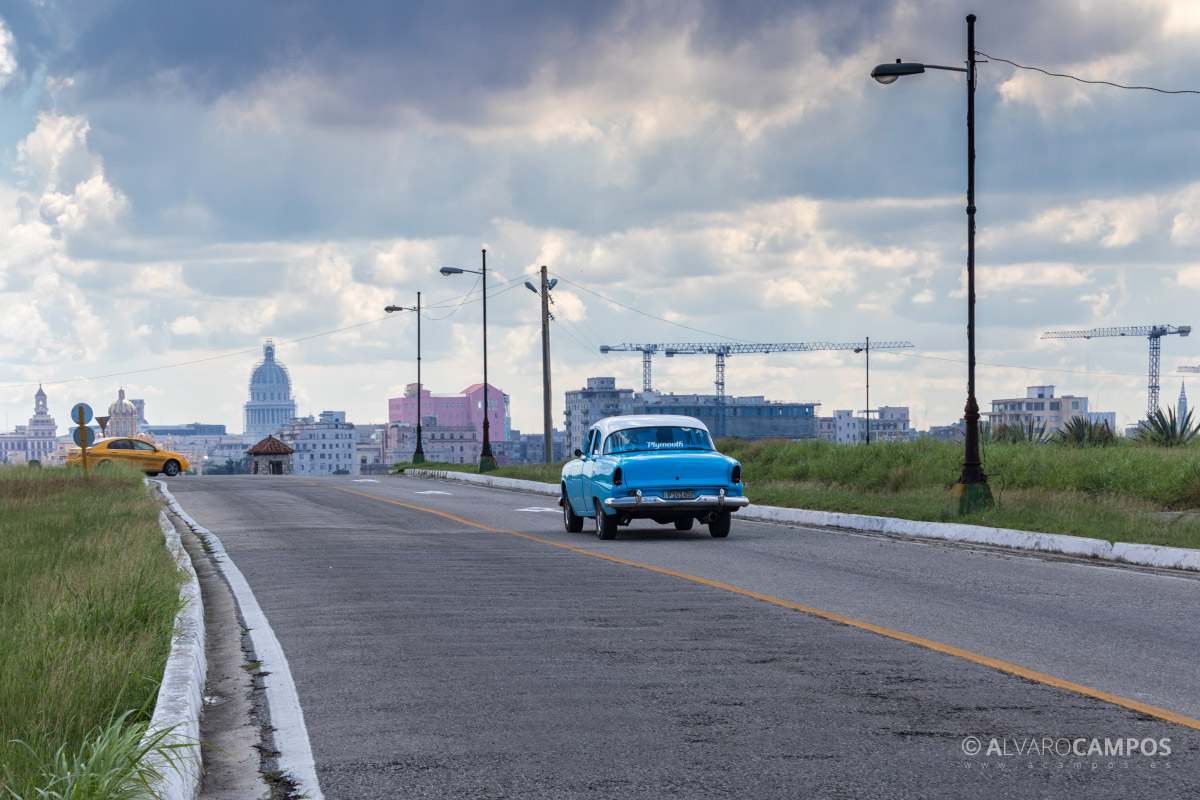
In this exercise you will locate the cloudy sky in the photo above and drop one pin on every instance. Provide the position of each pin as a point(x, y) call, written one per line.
point(180, 181)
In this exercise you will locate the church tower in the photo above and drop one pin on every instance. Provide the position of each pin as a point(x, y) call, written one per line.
point(1181, 412)
point(271, 404)
point(42, 431)
point(122, 417)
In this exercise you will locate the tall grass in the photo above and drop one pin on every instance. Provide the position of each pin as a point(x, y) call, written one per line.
point(115, 761)
point(1116, 493)
point(88, 596)
point(1166, 478)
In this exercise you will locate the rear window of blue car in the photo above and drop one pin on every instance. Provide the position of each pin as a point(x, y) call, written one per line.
point(659, 439)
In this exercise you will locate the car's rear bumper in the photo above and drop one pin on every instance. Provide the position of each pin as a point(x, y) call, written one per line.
point(652, 503)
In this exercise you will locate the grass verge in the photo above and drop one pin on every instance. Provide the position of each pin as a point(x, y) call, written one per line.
point(88, 597)
point(1115, 493)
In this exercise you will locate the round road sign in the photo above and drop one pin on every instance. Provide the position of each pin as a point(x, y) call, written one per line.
point(87, 413)
point(84, 437)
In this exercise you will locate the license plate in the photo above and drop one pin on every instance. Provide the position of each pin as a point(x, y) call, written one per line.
point(679, 494)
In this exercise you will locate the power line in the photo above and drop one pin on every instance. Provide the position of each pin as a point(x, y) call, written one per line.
point(1085, 80)
point(651, 316)
point(622, 371)
point(1019, 366)
point(906, 354)
point(193, 361)
point(510, 284)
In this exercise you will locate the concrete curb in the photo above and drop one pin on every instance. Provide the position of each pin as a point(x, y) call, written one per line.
point(1142, 555)
point(180, 701)
point(295, 758)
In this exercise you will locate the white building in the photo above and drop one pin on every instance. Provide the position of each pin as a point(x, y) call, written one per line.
point(601, 398)
point(323, 445)
point(888, 424)
point(35, 441)
point(1038, 407)
point(123, 417)
point(270, 404)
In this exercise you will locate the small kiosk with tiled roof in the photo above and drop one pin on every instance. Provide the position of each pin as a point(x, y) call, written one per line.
point(270, 457)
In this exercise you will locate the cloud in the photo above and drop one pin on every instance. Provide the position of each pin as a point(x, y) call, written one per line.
point(69, 188)
point(250, 171)
point(8, 58)
point(186, 326)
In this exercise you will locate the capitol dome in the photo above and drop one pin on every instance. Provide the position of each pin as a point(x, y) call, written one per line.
point(271, 404)
point(270, 373)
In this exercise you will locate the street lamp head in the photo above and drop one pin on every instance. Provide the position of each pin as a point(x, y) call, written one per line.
point(553, 282)
point(390, 309)
point(529, 286)
point(890, 73)
point(450, 271)
point(858, 349)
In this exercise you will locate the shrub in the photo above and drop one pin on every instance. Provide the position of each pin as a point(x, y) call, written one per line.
point(1165, 430)
point(1082, 432)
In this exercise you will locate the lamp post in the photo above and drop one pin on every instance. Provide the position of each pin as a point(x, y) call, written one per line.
point(547, 423)
point(867, 349)
point(419, 453)
point(972, 492)
point(487, 461)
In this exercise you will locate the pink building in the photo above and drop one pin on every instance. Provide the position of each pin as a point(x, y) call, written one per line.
point(449, 410)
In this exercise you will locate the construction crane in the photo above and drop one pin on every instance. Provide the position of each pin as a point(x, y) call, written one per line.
point(1153, 332)
point(721, 350)
point(1188, 369)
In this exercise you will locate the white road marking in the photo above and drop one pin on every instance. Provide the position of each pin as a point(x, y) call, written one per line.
point(287, 717)
point(538, 510)
point(431, 492)
point(364, 480)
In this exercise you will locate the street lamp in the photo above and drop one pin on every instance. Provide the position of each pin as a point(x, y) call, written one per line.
point(418, 454)
point(972, 492)
point(867, 348)
point(547, 423)
point(487, 461)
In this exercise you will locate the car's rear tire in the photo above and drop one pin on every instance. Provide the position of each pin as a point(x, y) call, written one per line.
point(171, 468)
point(606, 524)
point(719, 527)
point(571, 521)
point(684, 524)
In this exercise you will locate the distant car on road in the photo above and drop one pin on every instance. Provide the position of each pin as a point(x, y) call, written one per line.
point(147, 457)
point(659, 467)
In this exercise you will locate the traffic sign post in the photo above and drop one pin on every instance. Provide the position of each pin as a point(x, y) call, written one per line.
point(84, 436)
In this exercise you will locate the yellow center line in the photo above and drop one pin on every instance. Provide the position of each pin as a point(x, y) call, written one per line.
point(950, 650)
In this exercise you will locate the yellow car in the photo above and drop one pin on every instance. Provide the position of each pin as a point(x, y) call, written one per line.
point(147, 457)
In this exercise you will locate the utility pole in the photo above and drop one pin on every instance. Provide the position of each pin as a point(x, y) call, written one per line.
point(547, 422)
point(868, 349)
point(419, 453)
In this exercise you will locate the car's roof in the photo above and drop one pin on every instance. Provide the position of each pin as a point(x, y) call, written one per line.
point(610, 424)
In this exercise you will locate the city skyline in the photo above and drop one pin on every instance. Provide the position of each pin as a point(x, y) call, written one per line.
point(169, 197)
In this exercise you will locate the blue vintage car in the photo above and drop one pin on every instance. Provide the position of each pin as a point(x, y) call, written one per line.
point(657, 467)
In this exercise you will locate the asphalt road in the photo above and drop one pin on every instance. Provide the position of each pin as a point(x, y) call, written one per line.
point(435, 658)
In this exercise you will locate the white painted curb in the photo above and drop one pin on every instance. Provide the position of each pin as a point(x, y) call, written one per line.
point(287, 717)
point(181, 693)
point(1144, 555)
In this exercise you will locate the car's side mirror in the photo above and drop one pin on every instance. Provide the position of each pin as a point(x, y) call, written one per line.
point(578, 452)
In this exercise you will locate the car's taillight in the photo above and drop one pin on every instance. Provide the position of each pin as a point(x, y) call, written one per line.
point(618, 477)
point(736, 477)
